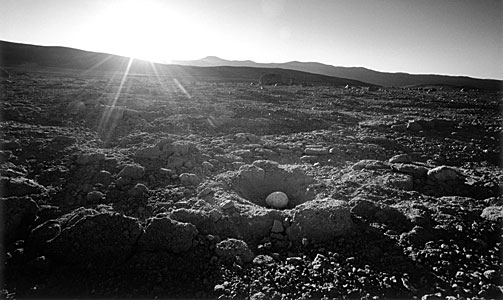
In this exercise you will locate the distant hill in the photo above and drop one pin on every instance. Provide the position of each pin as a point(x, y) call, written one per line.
point(15, 55)
point(361, 74)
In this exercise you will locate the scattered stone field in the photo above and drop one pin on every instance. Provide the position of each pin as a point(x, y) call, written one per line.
point(145, 186)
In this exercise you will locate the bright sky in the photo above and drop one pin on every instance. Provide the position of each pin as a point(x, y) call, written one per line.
point(452, 37)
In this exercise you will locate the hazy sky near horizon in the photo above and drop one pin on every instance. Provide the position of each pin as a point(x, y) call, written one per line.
point(451, 37)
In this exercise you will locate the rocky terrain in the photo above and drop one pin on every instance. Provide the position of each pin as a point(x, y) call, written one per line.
point(146, 186)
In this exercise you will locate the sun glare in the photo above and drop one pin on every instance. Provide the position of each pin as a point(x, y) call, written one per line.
point(146, 30)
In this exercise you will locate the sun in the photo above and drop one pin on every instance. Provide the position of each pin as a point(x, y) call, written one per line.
point(146, 29)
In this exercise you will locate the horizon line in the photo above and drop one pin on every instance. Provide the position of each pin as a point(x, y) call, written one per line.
point(173, 62)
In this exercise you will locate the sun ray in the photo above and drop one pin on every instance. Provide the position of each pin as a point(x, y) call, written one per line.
point(180, 86)
point(107, 122)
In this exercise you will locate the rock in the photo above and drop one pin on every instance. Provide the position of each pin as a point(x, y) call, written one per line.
point(379, 212)
point(266, 153)
point(294, 260)
point(122, 182)
point(166, 172)
point(132, 171)
point(246, 153)
point(335, 151)
point(414, 170)
point(207, 165)
point(308, 158)
point(47, 212)
point(418, 236)
point(76, 107)
point(228, 158)
point(277, 227)
point(491, 274)
point(101, 239)
point(437, 296)
point(104, 177)
point(259, 296)
point(396, 181)
point(231, 248)
point(228, 204)
point(94, 197)
point(20, 186)
point(41, 235)
point(19, 214)
point(65, 140)
point(215, 215)
point(263, 259)
point(400, 158)
point(90, 158)
point(250, 138)
point(138, 190)
point(219, 288)
point(370, 164)
point(271, 79)
point(442, 174)
point(399, 127)
point(443, 124)
point(188, 179)
point(4, 73)
point(176, 162)
point(493, 213)
point(151, 153)
point(414, 126)
point(490, 291)
point(320, 220)
point(277, 200)
point(11, 145)
point(165, 234)
point(320, 262)
point(316, 151)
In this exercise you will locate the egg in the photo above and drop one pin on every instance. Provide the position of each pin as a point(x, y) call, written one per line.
point(277, 200)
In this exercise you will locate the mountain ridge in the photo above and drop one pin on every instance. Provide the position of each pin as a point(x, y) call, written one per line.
point(28, 56)
point(389, 79)
point(17, 54)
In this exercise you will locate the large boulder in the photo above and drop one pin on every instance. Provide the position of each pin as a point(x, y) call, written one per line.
point(164, 234)
point(320, 220)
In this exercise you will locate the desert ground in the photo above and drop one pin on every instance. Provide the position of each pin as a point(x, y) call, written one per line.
point(145, 186)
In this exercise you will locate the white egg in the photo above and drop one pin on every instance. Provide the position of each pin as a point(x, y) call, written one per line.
point(277, 200)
